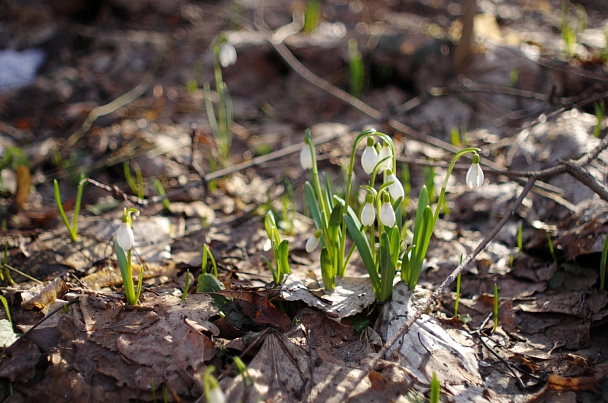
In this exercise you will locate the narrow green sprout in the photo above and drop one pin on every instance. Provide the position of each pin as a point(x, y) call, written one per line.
point(603, 263)
point(435, 389)
point(186, 285)
point(242, 369)
point(599, 114)
point(457, 303)
point(161, 192)
point(513, 78)
point(355, 64)
point(551, 249)
point(6, 271)
point(429, 180)
point(72, 228)
point(220, 121)
point(208, 255)
point(520, 241)
point(124, 243)
point(280, 250)
point(153, 387)
point(8, 312)
point(495, 316)
point(455, 137)
point(213, 392)
point(136, 185)
point(312, 15)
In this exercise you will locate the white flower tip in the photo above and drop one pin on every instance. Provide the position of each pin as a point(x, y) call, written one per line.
point(368, 214)
point(474, 178)
point(124, 236)
point(227, 54)
point(311, 244)
point(306, 157)
point(387, 215)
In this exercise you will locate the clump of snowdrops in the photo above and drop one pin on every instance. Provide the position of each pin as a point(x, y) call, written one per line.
point(124, 242)
point(380, 231)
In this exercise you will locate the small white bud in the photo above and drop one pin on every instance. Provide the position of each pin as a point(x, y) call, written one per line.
point(313, 242)
point(385, 152)
point(475, 178)
point(396, 188)
point(124, 236)
point(368, 214)
point(306, 157)
point(387, 214)
point(369, 158)
point(227, 54)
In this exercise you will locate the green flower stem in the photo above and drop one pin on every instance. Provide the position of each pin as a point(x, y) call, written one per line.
point(128, 283)
point(441, 199)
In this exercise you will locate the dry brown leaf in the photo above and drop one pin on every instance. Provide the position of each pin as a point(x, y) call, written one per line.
point(46, 296)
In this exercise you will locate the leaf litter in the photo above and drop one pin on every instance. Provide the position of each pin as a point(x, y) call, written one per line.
point(551, 314)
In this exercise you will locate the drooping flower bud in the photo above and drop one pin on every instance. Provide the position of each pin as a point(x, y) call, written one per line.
point(313, 242)
point(396, 188)
point(369, 158)
point(306, 157)
point(387, 214)
point(385, 154)
point(124, 236)
point(368, 214)
point(227, 54)
point(474, 178)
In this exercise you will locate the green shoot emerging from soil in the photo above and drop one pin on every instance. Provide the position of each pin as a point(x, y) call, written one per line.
point(136, 184)
point(435, 389)
point(207, 255)
point(495, 315)
point(603, 264)
point(280, 250)
point(72, 228)
point(124, 244)
point(220, 121)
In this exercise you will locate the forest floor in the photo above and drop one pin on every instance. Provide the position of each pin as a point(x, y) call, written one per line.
point(121, 87)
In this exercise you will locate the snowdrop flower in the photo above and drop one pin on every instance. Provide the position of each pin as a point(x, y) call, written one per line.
point(227, 54)
point(396, 188)
point(306, 157)
point(387, 214)
point(385, 152)
point(368, 214)
point(474, 178)
point(313, 242)
point(124, 235)
point(215, 395)
point(369, 158)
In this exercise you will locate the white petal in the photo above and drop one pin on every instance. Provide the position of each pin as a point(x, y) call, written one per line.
point(369, 159)
point(474, 178)
point(385, 152)
point(368, 214)
point(306, 157)
point(387, 215)
point(396, 189)
point(227, 54)
point(312, 243)
point(125, 237)
point(216, 395)
point(267, 245)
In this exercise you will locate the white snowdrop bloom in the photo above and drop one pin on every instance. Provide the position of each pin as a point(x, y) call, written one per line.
point(368, 214)
point(125, 237)
point(387, 214)
point(385, 152)
point(313, 242)
point(369, 158)
point(474, 178)
point(306, 157)
point(215, 395)
point(227, 54)
point(396, 188)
